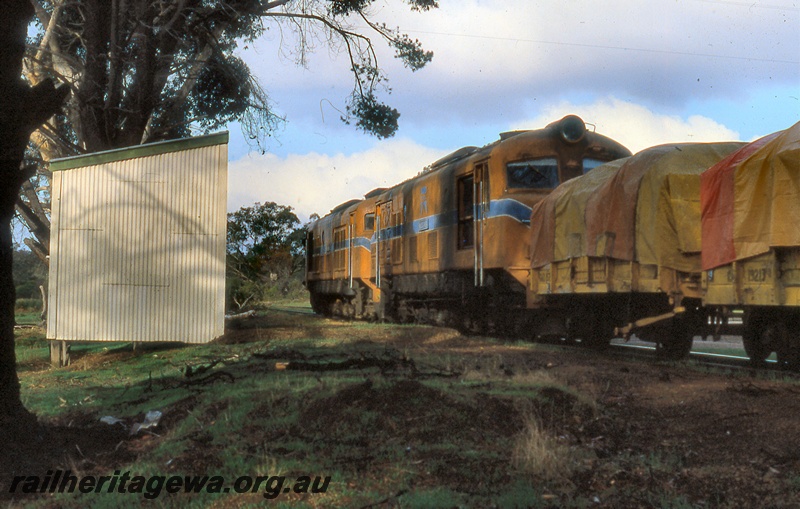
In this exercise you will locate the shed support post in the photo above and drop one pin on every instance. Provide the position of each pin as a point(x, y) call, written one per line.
point(59, 353)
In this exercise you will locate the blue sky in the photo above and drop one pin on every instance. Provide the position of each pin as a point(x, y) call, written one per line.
point(642, 72)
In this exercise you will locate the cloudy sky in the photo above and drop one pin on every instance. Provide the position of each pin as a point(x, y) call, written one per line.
point(642, 72)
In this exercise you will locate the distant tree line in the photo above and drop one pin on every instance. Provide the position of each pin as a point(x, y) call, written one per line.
point(265, 255)
point(29, 274)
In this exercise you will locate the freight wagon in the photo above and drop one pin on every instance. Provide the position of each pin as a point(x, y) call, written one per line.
point(561, 232)
point(751, 244)
point(618, 250)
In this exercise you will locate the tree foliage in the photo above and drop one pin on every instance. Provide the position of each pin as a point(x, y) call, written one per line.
point(265, 250)
point(29, 274)
point(149, 70)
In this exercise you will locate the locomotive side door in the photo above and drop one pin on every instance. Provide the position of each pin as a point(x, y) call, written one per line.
point(351, 229)
point(381, 255)
point(480, 193)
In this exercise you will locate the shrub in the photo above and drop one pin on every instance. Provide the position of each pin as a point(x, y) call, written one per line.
point(28, 305)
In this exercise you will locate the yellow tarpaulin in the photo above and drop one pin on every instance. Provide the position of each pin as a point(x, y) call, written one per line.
point(558, 229)
point(668, 206)
point(767, 197)
point(644, 208)
point(751, 200)
point(570, 227)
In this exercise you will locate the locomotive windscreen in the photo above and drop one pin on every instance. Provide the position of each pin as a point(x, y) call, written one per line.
point(533, 174)
point(591, 163)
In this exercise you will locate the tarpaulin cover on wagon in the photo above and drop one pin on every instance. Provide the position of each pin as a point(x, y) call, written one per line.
point(561, 216)
point(751, 200)
point(645, 208)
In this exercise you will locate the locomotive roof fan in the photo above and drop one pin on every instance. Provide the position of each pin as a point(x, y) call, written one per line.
point(571, 128)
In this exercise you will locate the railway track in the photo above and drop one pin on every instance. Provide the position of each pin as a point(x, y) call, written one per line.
point(642, 352)
point(706, 359)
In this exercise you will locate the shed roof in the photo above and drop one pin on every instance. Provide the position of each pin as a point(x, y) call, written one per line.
point(148, 149)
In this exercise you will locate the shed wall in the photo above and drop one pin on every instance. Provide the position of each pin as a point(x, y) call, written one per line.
point(138, 248)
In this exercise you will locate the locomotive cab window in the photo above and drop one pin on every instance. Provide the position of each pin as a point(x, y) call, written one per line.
point(466, 203)
point(369, 221)
point(590, 164)
point(533, 174)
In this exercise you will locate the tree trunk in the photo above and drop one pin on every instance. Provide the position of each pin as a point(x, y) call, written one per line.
point(22, 109)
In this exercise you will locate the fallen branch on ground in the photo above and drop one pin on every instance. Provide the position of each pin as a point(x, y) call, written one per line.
point(210, 379)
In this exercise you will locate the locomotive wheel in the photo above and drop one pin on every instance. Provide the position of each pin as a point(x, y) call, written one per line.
point(317, 303)
point(405, 314)
point(337, 309)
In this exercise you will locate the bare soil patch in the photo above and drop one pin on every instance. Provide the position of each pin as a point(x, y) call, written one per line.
point(640, 433)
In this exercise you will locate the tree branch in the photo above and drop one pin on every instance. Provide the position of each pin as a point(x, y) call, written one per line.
point(347, 35)
point(34, 204)
point(34, 225)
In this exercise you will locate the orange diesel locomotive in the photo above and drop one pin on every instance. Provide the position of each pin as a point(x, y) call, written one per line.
point(451, 245)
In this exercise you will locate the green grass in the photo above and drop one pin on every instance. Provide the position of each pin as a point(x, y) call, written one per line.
point(28, 318)
point(261, 422)
point(458, 435)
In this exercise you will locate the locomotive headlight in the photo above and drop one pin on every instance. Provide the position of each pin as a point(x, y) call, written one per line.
point(572, 128)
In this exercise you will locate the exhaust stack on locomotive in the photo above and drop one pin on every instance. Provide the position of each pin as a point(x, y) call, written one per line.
point(571, 128)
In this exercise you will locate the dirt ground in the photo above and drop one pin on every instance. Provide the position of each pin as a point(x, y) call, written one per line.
point(712, 439)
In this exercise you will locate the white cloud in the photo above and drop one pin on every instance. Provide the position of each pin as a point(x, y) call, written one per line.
point(634, 125)
point(317, 183)
point(496, 59)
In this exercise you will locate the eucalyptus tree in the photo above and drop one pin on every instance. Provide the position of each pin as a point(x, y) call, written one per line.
point(148, 70)
point(22, 109)
point(264, 246)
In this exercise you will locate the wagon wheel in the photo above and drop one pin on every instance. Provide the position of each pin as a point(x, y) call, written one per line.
point(758, 338)
point(676, 342)
point(676, 348)
point(601, 335)
point(597, 331)
point(775, 336)
point(575, 332)
point(337, 308)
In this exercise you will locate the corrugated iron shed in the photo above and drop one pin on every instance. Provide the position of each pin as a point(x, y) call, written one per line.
point(137, 250)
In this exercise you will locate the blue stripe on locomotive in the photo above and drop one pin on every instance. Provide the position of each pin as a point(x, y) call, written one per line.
point(504, 207)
